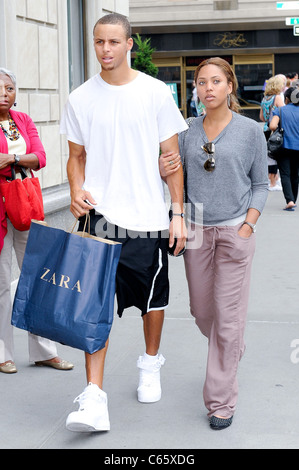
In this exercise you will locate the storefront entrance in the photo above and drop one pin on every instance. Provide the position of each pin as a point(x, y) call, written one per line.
point(252, 71)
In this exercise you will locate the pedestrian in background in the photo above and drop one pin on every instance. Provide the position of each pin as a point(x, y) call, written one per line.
point(292, 76)
point(288, 160)
point(271, 101)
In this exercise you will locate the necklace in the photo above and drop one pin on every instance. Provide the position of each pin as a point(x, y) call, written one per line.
point(13, 134)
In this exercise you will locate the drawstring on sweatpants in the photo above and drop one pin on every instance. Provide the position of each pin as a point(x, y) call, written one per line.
point(216, 232)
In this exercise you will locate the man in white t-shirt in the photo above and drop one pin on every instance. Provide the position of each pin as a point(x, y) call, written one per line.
point(116, 124)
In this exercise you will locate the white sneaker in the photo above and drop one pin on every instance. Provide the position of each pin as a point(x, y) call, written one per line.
point(275, 188)
point(93, 411)
point(149, 389)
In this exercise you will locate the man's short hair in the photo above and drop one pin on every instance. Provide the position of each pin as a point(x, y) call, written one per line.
point(116, 18)
point(291, 75)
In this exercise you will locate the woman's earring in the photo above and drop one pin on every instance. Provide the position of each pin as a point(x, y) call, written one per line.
point(228, 101)
point(15, 104)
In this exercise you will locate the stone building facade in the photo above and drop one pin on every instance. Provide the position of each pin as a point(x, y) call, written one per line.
point(251, 34)
point(48, 44)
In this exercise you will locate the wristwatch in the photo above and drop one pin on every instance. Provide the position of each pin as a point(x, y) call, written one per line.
point(180, 215)
point(17, 159)
point(253, 227)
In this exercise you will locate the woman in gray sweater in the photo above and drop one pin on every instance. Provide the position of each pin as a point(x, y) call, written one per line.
point(226, 179)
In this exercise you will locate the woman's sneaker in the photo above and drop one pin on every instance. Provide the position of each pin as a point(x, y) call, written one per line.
point(149, 389)
point(92, 415)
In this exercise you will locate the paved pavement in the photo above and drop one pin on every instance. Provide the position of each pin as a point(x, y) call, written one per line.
point(36, 401)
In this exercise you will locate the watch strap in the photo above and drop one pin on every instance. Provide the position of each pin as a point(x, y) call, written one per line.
point(252, 226)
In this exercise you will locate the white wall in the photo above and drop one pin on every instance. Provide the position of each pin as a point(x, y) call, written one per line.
point(199, 13)
point(34, 45)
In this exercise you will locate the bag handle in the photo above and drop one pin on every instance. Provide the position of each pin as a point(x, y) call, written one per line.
point(22, 171)
point(87, 218)
point(280, 123)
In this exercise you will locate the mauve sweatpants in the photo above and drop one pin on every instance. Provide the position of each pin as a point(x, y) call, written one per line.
point(218, 275)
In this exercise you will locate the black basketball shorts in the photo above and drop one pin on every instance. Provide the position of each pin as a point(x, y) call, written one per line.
point(142, 273)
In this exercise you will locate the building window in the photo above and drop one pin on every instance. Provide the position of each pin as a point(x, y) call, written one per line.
point(226, 5)
point(172, 77)
point(252, 72)
point(76, 43)
point(251, 80)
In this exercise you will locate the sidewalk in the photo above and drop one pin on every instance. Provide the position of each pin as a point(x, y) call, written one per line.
point(36, 401)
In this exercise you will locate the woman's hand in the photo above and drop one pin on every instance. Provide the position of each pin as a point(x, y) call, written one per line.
point(169, 163)
point(245, 231)
point(5, 160)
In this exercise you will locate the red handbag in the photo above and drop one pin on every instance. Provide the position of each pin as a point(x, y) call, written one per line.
point(23, 200)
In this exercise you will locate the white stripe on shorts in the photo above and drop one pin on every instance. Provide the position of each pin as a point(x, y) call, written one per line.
point(153, 285)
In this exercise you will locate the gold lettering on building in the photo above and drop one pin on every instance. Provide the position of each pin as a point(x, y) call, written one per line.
point(229, 40)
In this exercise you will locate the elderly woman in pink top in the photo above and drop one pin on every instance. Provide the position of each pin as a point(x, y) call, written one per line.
point(20, 145)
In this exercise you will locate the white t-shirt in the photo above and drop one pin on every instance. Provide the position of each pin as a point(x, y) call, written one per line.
point(121, 128)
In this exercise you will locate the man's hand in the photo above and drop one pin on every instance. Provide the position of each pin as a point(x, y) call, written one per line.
point(81, 203)
point(177, 229)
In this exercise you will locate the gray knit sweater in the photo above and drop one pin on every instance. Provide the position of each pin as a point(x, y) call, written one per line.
point(240, 179)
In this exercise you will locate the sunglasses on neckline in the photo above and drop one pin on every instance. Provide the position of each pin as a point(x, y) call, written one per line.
point(209, 148)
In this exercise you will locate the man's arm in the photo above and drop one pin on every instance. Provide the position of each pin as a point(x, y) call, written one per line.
point(76, 176)
point(175, 182)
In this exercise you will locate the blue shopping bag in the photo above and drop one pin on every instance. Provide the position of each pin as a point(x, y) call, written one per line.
point(66, 288)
